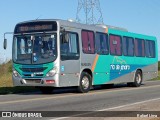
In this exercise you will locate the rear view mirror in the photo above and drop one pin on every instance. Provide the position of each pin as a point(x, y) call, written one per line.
point(5, 40)
point(65, 36)
point(5, 44)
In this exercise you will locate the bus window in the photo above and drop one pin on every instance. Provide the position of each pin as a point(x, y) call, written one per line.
point(88, 42)
point(139, 48)
point(102, 43)
point(150, 48)
point(70, 49)
point(128, 46)
point(115, 45)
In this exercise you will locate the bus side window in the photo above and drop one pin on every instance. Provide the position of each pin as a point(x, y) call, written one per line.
point(150, 48)
point(139, 47)
point(102, 43)
point(70, 49)
point(115, 45)
point(128, 46)
point(88, 42)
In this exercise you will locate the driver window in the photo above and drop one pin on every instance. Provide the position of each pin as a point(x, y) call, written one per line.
point(70, 47)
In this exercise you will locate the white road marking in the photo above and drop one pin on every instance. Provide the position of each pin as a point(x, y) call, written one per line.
point(107, 109)
point(131, 104)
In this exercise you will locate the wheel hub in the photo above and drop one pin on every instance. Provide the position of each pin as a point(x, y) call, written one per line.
point(85, 82)
point(138, 78)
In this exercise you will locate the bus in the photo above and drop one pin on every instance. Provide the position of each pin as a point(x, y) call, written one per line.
point(51, 53)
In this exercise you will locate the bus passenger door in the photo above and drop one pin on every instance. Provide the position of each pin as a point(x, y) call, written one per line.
point(70, 63)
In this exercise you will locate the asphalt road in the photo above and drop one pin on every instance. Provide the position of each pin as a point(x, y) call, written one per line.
point(67, 99)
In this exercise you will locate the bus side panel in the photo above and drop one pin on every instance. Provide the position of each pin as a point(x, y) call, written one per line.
point(117, 69)
point(150, 71)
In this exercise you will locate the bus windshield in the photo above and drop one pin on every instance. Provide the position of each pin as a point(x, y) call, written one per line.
point(37, 49)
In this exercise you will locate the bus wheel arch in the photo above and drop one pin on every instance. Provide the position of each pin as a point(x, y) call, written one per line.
point(140, 72)
point(138, 78)
point(85, 81)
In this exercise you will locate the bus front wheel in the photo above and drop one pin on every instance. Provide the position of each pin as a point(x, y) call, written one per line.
point(85, 83)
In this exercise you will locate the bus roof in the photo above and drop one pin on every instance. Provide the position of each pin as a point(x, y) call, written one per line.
point(130, 34)
point(100, 28)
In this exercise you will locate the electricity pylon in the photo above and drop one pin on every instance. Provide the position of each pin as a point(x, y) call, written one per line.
point(89, 12)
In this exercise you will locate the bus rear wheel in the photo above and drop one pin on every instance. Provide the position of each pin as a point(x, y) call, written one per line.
point(85, 83)
point(46, 90)
point(137, 79)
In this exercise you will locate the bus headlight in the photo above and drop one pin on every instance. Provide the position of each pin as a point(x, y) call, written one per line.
point(52, 72)
point(15, 73)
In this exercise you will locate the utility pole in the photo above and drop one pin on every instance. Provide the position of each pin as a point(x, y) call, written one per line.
point(89, 12)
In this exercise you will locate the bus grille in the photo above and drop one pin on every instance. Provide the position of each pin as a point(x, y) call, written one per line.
point(33, 69)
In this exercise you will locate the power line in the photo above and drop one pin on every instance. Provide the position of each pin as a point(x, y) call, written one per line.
point(89, 12)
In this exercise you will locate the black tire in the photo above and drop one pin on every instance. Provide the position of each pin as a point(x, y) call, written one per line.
point(85, 83)
point(137, 79)
point(46, 90)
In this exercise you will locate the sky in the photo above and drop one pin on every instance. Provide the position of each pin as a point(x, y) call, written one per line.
point(138, 16)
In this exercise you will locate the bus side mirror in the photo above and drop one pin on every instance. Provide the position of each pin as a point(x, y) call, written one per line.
point(5, 44)
point(64, 35)
point(66, 38)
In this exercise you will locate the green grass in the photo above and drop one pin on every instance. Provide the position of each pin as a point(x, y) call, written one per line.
point(6, 84)
point(6, 75)
point(158, 77)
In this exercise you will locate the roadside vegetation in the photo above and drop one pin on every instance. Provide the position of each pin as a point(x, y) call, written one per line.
point(6, 84)
point(158, 77)
point(158, 65)
point(5, 75)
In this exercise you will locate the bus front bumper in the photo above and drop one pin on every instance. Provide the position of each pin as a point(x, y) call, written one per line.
point(46, 81)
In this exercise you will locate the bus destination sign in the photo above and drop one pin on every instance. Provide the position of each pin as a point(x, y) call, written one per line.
point(36, 27)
